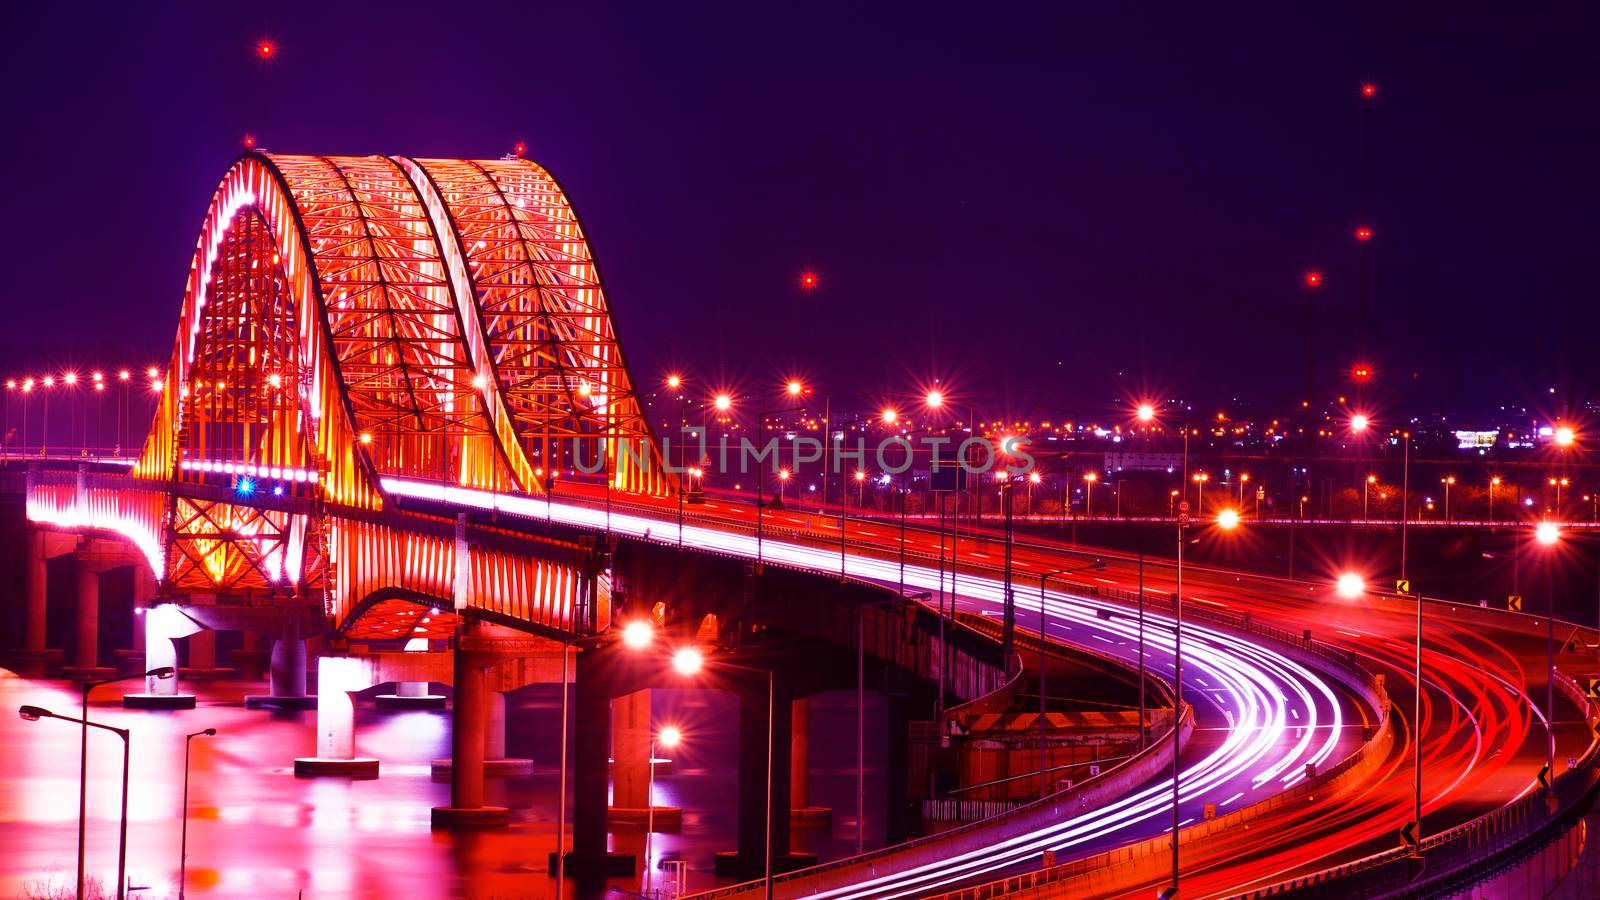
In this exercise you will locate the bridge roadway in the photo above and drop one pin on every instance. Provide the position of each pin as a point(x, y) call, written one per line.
point(1483, 725)
point(1262, 716)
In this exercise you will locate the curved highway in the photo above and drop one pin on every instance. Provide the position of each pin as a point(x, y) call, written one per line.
point(1261, 717)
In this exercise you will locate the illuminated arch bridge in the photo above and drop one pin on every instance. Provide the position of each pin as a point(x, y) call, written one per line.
point(347, 320)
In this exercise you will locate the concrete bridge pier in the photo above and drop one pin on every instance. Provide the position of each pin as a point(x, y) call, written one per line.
point(286, 673)
point(749, 860)
point(632, 732)
point(337, 677)
point(410, 695)
point(495, 761)
point(469, 722)
point(86, 652)
point(162, 624)
point(35, 658)
point(145, 588)
point(801, 810)
point(591, 746)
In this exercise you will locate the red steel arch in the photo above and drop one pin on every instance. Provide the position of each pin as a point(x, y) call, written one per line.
point(347, 318)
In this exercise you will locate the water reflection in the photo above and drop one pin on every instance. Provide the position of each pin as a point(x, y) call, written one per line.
point(255, 830)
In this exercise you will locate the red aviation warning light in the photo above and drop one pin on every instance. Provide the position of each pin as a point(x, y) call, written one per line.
point(266, 50)
point(1313, 279)
point(809, 280)
point(249, 142)
point(1369, 90)
point(1363, 233)
point(520, 149)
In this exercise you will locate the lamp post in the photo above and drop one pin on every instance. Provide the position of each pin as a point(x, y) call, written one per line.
point(668, 737)
point(164, 672)
point(183, 842)
point(1548, 534)
point(1447, 481)
point(1366, 487)
point(34, 714)
point(1088, 495)
point(1494, 482)
point(688, 661)
point(861, 718)
point(636, 635)
point(1044, 766)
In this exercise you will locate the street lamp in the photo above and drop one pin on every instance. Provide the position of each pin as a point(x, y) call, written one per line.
point(1548, 534)
point(1200, 479)
point(1088, 497)
point(689, 661)
point(668, 737)
point(1044, 766)
point(1493, 483)
point(1447, 481)
point(163, 672)
point(1366, 487)
point(34, 714)
point(183, 842)
point(1350, 585)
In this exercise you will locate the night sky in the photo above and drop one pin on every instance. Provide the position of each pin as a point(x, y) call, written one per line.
point(1049, 208)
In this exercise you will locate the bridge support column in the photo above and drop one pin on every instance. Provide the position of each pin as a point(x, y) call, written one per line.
point(203, 657)
point(86, 652)
point(337, 676)
point(632, 731)
point(495, 761)
point(412, 694)
point(162, 624)
point(801, 809)
point(591, 715)
point(131, 657)
point(35, 657)
point(286, 673)
point(761, 765)
point(468, 723)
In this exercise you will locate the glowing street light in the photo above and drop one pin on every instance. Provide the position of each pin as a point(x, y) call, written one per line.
point(794, 388)
point(668, 737)
point(1228, 519)
point(1350, 585)
point(638, 634)
point(1565, 436)
point(1359, 423)
point(674, 381)
point(1147, 412)
point(889, 416)
point(722, 402)
point(1547, 533)
point(688, 661)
